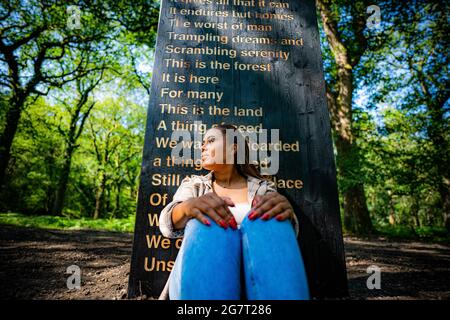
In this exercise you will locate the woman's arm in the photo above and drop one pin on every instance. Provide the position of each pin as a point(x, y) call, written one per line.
point(186, 205)
point(271, 187)
point(179, 218)
point(167, 226)
point(210, 206)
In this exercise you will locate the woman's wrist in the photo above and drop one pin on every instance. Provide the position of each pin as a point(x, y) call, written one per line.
point(183, 207)
point(179, 215)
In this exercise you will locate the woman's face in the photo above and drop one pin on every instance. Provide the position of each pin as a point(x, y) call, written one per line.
point(214, 150)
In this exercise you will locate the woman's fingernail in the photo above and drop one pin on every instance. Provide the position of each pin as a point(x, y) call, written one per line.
point(279, 218)
point(206, 221)
point(233, 223)
point(223, 224)
point(265, 216)
point(252, 215)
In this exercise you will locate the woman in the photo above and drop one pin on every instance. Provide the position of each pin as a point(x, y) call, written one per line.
point(239, 241)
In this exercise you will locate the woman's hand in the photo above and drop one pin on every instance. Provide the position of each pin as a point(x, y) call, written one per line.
point(210, 204)
point(271, 205)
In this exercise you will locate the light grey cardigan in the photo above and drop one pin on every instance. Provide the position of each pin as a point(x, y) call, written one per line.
point(196, 186)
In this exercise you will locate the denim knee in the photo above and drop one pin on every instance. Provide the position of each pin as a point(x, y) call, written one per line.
point(273, 264)
point(208, 264)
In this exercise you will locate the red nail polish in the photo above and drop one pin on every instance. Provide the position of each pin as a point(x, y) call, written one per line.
point(265, 216)
point(223, 224)
point(206, 221)
point(279, 218)
point(233, 224)
point(252, 215)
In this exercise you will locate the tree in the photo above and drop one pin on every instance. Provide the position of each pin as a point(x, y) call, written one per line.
point(52, 49)
point(79, 110)
point(37, 50)
point(115, 132)
point(420, 82)
point(344, 26)
point(34, 164)
point(397, 168)
point(46, 45)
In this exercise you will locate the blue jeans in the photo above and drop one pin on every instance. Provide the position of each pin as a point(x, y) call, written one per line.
point(215, 263)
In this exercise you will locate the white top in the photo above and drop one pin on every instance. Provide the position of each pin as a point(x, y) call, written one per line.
point(239, 211)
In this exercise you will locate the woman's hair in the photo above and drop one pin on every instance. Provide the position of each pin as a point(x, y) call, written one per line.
point(247, 168)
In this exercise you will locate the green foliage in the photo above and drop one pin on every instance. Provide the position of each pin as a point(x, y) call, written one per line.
point(38, 153)
point(400, 109)
point(400, 172)
point(428, 234)
point(85, 93)
point(65, 223)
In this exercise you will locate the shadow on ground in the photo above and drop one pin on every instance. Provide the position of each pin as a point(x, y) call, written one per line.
point(409, 269)
point(34, 261)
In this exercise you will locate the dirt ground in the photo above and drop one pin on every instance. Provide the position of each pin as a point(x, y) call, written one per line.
point(33, 265)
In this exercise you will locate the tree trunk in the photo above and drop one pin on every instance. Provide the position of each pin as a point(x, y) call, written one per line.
point(108, 199)
point(99, 196)
point(415, 212)
point(61, 188)
point(76, 127)
point(445, 199)
point(117, 205)
point(355, 209)
point(7, 137)
point(356, 214)
point(391, 212)
point(438, 133)
point(63, 180)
